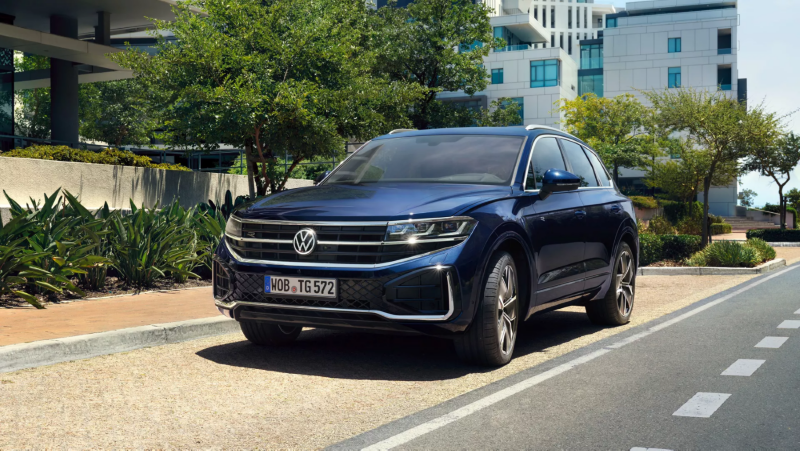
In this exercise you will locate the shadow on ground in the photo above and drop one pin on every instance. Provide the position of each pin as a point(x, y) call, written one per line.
point(357, 355)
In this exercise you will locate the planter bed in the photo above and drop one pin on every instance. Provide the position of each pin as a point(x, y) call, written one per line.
point(709, 271)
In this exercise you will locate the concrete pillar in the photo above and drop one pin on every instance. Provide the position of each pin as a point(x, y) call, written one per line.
point(102, 32)
point(64, 86)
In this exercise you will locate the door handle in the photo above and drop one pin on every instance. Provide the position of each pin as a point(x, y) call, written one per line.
point(580, 214)
point(616, 209)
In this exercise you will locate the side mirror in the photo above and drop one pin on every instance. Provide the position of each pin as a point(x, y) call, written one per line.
point(321, 177)
point(557, 180)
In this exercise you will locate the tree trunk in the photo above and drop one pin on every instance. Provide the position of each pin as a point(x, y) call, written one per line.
point(250, 164)
point(704, 221)
point(782, 207)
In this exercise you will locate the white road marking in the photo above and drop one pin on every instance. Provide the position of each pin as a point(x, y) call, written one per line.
point(797, 312)
point(702, 405)
point(771, 342)
point(638, 448)
point(743, 367)
point(432, 425)
point(790, 324)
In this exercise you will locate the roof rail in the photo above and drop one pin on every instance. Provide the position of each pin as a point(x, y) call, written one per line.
point(401, 130)
point(536, 126)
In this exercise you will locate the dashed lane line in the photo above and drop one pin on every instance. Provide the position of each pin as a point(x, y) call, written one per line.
point(790, 324)
point(743, 367)
point(702, 405)
point(771, 342)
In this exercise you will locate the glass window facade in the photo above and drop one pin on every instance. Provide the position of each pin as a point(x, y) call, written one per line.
point(497, 76)
point(674, 45)
point(724, 78)
point(544, 73)
point(611, 23)
point(592, 56)
point(590, 84)
point(674, 77)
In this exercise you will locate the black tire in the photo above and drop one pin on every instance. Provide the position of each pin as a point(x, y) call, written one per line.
point(269, 334)
point(616, 307)
point(487, 341)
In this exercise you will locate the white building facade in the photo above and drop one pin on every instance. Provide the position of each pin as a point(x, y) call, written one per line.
point(560, 49)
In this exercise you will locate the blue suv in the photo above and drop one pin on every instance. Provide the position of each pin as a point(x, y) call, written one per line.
point(458, 233)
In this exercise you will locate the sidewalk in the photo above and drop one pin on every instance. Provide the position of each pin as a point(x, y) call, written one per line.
point(23, 325)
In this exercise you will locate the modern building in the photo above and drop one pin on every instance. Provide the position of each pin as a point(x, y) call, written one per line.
point(561, 49)
point(76, 35)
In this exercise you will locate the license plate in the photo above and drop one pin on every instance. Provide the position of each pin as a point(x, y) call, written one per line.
point(300, 286)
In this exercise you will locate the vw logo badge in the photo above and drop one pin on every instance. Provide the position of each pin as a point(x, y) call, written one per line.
point(305, 241)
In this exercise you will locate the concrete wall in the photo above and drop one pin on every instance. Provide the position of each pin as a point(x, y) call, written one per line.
point(95, 184)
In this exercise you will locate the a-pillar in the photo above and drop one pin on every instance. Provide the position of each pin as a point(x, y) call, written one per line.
point(64, 86)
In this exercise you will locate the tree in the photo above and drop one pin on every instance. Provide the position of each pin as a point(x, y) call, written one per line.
point(616, 128)
point(32, 116)
point(747, 197)
point(793, 196)
point(776, 161)
point(722, 127)
point(438, 45)
point(501, 113)
point(116, 113)
point(682, 178)
point(271, 76)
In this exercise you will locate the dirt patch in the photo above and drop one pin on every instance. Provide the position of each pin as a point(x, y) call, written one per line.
point(114, 287)
point(790, 254)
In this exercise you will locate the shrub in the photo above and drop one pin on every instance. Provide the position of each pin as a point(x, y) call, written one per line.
point(660, 226)
point(720, 228)
point(676, 211)
point(644, 202)
point(775, 235)
point(641, 227)
point(105, 156)
point(777, 209)
point(655, 248)
point(690, 226)
point(766, 251)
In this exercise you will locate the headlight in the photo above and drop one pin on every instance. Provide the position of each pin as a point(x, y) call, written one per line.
point(233, 227)
point(412, 231)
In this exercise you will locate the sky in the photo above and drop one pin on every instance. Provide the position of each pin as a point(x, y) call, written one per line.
point(766, 59)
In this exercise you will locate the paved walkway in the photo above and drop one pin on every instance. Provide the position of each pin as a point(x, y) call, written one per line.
point(735, 236)
point(22, 325)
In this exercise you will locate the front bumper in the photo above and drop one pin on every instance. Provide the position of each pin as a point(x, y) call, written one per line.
point(420, 296)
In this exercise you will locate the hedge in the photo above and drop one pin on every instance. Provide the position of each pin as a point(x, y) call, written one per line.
point(777, 209)
point(655, 248)
point(644, 202)
point(676, 211)
point(106, 156)
point(775, 235)
point(720, 228)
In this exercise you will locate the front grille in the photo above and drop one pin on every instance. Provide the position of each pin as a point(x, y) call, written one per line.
point(221, 281)
point(356, 294)
point(356, 244)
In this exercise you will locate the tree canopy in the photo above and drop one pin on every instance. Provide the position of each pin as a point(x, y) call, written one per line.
point(272, 76)
point(777, 161)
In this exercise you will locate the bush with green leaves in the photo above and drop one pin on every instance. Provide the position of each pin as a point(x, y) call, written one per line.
point(656, 248)
point(105, 156)
point(733, 254)
point(721, 228)
point(644, 202)
point(660, 226)
point(775, 235)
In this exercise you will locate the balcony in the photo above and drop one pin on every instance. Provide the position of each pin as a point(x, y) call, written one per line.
point(514, 48)
point(523, 25)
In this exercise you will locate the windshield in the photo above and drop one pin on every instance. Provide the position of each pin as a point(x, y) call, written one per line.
point(472, 159)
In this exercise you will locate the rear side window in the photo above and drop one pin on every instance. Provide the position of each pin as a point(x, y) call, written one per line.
point(546, 156)
point(580, 163)
point(599, 169)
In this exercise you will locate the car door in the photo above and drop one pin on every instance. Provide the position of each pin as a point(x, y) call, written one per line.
point(554, 227)
point(601, 204)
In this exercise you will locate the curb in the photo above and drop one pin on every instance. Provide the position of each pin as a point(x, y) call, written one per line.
point(47, 352)
point(707, 271)
point(785, 244)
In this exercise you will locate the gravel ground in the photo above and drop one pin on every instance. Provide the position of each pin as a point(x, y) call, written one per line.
point(790, 254)
point(222, 392)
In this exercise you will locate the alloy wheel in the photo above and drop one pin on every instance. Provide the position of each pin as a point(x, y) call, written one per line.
point(624, 273)
point(507, 310)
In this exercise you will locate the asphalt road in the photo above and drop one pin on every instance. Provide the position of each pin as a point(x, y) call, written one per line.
point(706, 377)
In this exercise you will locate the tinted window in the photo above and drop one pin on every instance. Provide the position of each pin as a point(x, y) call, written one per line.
point(599, 169)
point(473, 159)
point(546, 155)
point(580, 164)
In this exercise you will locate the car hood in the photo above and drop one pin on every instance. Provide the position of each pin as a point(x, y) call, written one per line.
point(371, 202)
